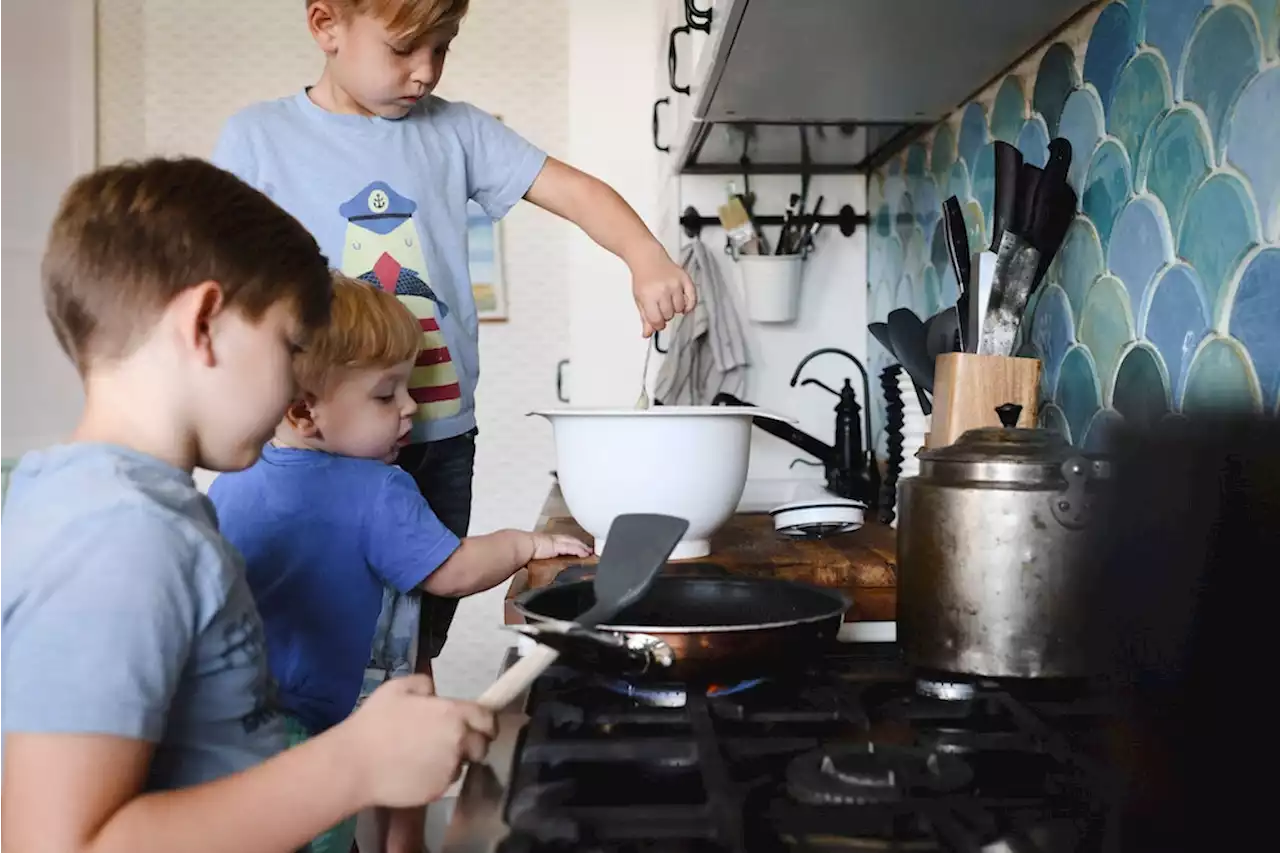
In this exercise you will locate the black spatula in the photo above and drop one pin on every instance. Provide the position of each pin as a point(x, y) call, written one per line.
point(635, 549)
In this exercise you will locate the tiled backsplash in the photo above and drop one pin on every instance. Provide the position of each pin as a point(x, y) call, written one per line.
point(1165, 297)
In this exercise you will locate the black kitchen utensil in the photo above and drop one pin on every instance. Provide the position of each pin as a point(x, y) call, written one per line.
point(958, 250)
point(909, 343)
point(880, 331)
point(635, 549)
point(1008, 170)
point(713, 627)
point(1028, 185)
point(940, 332)
point(1055, 207)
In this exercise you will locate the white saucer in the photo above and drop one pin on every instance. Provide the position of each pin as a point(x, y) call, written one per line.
point(816, 518)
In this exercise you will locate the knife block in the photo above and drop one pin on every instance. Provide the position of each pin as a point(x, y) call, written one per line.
point(967, 388)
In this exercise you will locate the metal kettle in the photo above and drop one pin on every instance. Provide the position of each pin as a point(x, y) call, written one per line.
point(994, 554)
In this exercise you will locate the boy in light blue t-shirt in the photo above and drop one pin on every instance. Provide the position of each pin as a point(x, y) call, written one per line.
point(138, 713)
point(381, 172)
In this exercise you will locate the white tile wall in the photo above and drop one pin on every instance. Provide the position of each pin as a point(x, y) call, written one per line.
point(171, 71)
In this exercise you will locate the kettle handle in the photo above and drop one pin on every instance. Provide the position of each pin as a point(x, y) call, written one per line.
point(1073, 507)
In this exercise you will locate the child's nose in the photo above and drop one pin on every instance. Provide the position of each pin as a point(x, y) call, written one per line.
point(407, 405)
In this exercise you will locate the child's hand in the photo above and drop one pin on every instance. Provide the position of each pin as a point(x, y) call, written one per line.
point(661, 290)
point(409, 745)
point(546, 546)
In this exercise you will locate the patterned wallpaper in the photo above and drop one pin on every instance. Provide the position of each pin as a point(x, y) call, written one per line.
point(1165, 297)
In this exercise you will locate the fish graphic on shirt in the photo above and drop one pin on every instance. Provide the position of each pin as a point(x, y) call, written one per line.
point(381, 247)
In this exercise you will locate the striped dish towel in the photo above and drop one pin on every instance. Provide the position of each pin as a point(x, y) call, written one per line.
point(707, 350)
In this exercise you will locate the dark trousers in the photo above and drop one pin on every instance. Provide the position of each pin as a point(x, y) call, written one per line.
point(443, 471)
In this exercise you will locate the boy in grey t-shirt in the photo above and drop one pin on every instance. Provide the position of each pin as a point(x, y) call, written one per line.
point(133, 660)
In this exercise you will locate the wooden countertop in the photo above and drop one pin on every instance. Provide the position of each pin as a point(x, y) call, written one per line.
point(862, 564)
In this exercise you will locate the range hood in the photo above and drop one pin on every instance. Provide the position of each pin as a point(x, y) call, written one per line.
point(852, 78)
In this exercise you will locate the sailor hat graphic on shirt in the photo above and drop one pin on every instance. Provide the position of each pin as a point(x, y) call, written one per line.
point(378, 207)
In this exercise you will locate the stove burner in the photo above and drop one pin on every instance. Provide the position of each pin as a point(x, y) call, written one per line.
point(671, 695)
point(946, 690)
point(873, 773)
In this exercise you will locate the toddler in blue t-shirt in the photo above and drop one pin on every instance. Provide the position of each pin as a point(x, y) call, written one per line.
point(324, 522)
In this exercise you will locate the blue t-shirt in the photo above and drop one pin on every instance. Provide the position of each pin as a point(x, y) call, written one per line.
point(321, 535)
point(388, 201)
point(127, 614)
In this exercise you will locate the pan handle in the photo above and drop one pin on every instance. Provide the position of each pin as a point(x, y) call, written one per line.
point(518, 678)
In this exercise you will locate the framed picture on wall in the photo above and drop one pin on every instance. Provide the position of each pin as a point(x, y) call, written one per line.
point(484, 259)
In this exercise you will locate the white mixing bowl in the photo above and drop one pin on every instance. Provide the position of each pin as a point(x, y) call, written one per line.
point(686, 461)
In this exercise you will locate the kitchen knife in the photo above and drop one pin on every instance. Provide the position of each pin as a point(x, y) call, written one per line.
point(1055, 207)
point(958, 249)
point(1028, 185)
point(984, 266)
point(1015, 271)
point(1008, 168)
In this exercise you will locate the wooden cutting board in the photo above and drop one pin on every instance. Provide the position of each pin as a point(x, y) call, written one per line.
point(862, 564)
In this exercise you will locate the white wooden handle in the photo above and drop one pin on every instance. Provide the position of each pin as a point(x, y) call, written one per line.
point(517, 679)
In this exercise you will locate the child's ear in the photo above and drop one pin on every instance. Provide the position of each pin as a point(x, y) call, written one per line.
point(323, 21)
point(301, 416)
point(195, 310)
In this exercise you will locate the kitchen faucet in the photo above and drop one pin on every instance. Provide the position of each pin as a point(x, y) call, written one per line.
point(850, 470)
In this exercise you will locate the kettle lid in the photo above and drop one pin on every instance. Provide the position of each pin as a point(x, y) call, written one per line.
point(987, 453)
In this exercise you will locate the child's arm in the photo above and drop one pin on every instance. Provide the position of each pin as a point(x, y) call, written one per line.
point(76, 793)
point(660, 287)
point(483, 562)
point(408, 547)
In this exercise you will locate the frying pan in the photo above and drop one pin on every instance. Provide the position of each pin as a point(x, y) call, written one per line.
point(708, 626)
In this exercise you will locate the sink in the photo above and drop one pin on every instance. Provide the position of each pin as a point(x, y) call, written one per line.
point(763, 494)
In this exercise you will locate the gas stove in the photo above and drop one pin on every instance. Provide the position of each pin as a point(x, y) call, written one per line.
point(854, 752)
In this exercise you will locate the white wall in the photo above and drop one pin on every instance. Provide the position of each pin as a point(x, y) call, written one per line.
point(47, 72)
point(173, 70)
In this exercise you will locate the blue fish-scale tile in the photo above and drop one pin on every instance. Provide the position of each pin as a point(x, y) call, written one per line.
point(1255, 318)
point(1052, 419)
point(1077, 393)
point(1169, 28)
point(1140, 245)
point(904, 210)
point(1055, 80)
point(1141, 393)
point(917, 158)
point(1106, 328)
point(931, 303)
point(1143, 93)
point(893, 258)
point(1081, 125)
point(883, 222)
point(1221, 379)
point(915, 253)
point(1078, 262)
point(1223, 56)
point(1009, 110)
point(1106, 188)
point(1268, 12)
point(973, 132)
point(1111, 44)
point(905, 294)
point(1100, 435)
point(1138, 19)
point(1219, 228)
point(1033, 141)
point(1053, 330)
point(984, 183)
point(939, 255)
point(1252, 137)
point(924, 196)
point(942, 152)
point(958, 182)
point(1175, 160)
point(948, 290)
point(1175, 320)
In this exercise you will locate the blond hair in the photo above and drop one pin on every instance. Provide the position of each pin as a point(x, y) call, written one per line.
point(127, 239)
point(368, 327)
point(407, 19)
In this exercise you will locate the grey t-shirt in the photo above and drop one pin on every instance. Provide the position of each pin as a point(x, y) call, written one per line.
point(126, 613)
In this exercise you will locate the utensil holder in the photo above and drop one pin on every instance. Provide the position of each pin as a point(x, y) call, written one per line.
point(967, 388)
point(771, 286)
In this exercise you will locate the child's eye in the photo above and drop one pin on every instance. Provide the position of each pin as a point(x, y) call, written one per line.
point(401, 50)
point(387, 398)
point(442, 50)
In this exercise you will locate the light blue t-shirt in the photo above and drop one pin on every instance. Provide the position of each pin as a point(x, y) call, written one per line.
point(126, 613)
point(387, 200)
point(321, 534)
